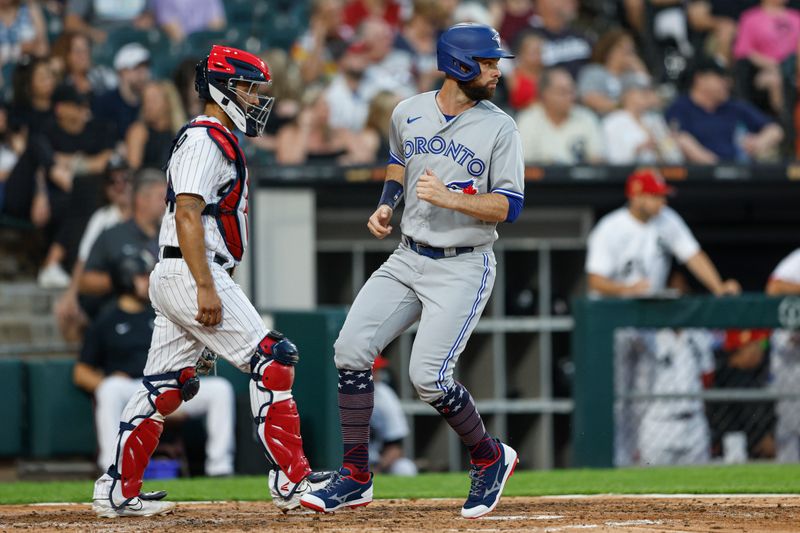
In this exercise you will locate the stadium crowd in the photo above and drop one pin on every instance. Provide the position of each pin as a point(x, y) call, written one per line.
point(93, 91)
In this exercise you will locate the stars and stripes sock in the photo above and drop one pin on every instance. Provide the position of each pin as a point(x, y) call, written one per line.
point(458, 408)
point(356, 398)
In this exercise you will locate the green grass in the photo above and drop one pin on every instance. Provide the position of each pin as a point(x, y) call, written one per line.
point(754, 478)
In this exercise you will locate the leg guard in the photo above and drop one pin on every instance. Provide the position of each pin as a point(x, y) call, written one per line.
point(274, 410)
point(140, 430)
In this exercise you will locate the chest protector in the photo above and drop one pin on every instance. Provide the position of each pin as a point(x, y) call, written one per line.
point(230, 211)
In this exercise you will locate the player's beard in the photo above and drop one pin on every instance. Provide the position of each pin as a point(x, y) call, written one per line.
point(476, 92)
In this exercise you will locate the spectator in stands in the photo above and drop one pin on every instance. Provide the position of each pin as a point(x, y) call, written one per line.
point(357, 11)
point(78, 151)
point(112, 363)
point(638, 133)
point(555, 131)
point(32, 106)
point(69, 312)
point(599, 86)
point(183, 78)
point(12, 145)
point(22, 33)
point(714, 127)
point(96, 18)
point(785, 363)
point(388, 427)
point(346, 98)
point(310, 138)
point(371, 145)
point(564, 46)
point(629, 250)
point(766, 52)
point(388, 69)
point(72, 58)
point(121, 107)
point(149, 139)
point(518, 16)
point(717, 19)
point(523, 82)
point(418, 40)
point(131, 238)
point(287, 89)
point(318, 49)
point(179, 18)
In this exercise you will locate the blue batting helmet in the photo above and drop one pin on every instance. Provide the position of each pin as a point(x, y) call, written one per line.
point(461, 44)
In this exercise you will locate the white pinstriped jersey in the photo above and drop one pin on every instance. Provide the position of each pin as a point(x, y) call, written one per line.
point(198, 167)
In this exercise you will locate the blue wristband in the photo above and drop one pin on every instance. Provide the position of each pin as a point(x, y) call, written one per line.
point(392, 192)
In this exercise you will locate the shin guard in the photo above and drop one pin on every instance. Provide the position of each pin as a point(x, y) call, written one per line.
point(276, 418)
point(141, 427)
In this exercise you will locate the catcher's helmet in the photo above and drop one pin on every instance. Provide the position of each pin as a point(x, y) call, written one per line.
point(461, 44)
point(216, 79)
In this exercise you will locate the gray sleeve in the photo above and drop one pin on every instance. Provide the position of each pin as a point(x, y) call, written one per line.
point(592, 79)
point(396, 153)
point(79, 7)
point(507, 168)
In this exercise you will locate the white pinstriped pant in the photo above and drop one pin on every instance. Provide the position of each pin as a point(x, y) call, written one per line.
point(178, 339)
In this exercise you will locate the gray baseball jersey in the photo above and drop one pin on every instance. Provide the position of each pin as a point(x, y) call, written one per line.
point(476, 152)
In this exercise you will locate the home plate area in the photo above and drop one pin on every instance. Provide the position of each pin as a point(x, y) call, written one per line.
point(715, 513)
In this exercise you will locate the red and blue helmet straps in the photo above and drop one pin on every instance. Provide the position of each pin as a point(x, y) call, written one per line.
point(238, 82)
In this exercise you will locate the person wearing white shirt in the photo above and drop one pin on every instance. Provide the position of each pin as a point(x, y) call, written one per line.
point(784, 363)
point(630, 249)
point(556, 131)
point(636, 134)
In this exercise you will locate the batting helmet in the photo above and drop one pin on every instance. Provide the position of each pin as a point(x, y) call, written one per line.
point(461, 44)
point(217, 78)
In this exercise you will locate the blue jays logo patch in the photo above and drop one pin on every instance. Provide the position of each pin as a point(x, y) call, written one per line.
point(464, 187)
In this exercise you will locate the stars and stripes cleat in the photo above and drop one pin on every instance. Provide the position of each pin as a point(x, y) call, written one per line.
point(343, 490)
point(488, 482)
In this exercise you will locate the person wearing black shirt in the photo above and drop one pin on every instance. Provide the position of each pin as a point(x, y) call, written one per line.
point(112, 361)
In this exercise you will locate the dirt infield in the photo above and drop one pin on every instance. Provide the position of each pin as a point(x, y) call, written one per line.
point(600, 513)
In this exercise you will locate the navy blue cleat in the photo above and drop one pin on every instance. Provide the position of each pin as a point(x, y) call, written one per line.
point(343, 490)
point(488, 482)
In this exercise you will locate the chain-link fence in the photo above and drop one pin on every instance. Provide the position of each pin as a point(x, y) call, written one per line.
point(691, 396)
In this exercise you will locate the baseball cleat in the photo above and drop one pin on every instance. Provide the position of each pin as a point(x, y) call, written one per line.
point(135, 507)
point(488, 482)
point(343, 490)
point(286, 495)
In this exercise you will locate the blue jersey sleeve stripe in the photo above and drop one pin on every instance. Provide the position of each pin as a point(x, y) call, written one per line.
point(514, 208)
point(506, 192)
point(394, 160)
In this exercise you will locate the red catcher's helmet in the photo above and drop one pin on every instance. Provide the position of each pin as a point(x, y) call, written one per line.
point(237, 81)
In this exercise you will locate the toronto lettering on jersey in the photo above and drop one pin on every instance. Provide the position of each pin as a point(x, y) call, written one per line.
point(438, 146)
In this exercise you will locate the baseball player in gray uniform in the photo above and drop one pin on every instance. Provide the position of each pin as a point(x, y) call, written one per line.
point(203, 237)
point(458, 161)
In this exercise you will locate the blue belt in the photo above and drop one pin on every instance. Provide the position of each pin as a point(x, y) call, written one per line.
point(436, 253)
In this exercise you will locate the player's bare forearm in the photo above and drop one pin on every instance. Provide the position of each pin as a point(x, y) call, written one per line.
point(779, 287)
point(704, 270)
point(191, 239)
point(395, 173)
point(608, 287)
point(86, 377)
point(489, 207)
